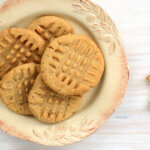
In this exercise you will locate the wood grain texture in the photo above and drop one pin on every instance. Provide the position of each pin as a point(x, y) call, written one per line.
point(129, 127)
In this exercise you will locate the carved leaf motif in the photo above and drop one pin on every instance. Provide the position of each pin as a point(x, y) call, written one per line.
point(108, 21)
point(91, 18)
point(94, 8)
point(112, 48)
point(79, 7)
point(101, 15)
point(106, 38)
point(104, 26)
point(77, 133)
point(115, 30)
point(86, 4)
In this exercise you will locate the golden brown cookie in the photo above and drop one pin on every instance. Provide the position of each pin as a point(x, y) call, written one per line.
point(15, 87)
point(50, 27)
point(72, 64)
point(49, 106)
point(148, 78)
point(19, 46)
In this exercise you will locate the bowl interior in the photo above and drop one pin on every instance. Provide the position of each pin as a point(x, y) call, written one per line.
point(79, 28)
point(101, 101)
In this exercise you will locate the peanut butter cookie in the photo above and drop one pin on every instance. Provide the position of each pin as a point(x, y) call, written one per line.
point(72, 64)
point(16, 85)
point(49, 106)
point(50, 27)
point(19, 46)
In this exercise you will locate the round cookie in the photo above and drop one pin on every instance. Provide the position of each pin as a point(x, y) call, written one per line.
point(72, 64)
point(49, 106)
point(15, 87)
point(50, 27)
point(19, 46)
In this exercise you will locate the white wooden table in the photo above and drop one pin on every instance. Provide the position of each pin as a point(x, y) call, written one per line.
point(129, 127)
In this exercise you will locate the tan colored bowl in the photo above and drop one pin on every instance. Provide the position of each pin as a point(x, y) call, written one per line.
point(89, 19)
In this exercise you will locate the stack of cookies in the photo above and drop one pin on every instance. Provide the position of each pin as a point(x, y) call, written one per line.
point(45, 70)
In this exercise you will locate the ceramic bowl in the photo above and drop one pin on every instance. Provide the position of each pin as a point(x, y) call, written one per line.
point(88, 19)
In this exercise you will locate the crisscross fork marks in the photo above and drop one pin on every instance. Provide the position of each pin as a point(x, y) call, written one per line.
point(10, 58)
point(19, 96)
point(23, 82)
point(7, 40)
point(65, 59)
point(58, 108)
point(72, 57)
point(78, 63)
point(77, 68)
point(7, 55)
point(70, 60)
point(66, 106)
point(58, 54)
point(49, 33)
point(19, 50)
point(56, 60)
point(44, 105)
point(13, 57)
point(75, 58)
point(53, 107)
point(50, 108)
point(86, 81)
point(44, 32)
